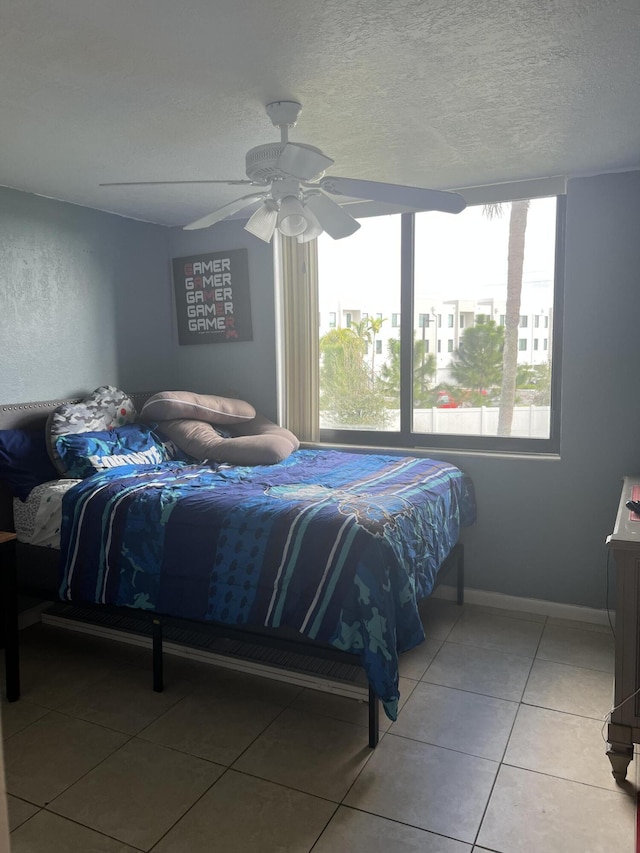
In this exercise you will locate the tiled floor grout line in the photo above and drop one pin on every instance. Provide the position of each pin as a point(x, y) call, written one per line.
point(186, 812)
point(500, 763)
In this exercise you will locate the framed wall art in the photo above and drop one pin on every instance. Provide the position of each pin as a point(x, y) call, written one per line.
point(213, 304)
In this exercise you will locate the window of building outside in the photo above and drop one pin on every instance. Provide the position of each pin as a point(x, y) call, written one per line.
point(387, 384)
point(332, 319)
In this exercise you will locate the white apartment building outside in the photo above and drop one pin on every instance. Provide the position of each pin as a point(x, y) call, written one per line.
point(441, 326)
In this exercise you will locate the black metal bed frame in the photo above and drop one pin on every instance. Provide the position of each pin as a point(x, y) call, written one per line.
point(155, 624)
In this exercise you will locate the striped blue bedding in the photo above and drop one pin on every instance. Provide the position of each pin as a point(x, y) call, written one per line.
point(337, 546)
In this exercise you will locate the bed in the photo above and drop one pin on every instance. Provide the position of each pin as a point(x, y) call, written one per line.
point(328, 549)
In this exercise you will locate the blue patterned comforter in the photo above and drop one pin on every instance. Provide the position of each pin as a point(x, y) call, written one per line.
point(338, 546)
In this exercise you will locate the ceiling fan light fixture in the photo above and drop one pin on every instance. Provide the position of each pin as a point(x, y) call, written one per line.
point(291, 219)
point(313, 229)
point(263, 221)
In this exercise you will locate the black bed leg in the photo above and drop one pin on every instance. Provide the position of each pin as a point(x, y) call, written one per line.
point(156, 633)
point(10, 619)
point(374, 719)
point(460, 547)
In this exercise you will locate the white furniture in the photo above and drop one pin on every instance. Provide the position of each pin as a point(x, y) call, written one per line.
point(624, 726)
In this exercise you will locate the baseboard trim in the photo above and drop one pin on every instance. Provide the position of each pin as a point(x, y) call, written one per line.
point(528, 605)
point(32, 615)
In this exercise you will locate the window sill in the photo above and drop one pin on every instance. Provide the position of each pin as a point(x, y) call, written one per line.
point(432, 453)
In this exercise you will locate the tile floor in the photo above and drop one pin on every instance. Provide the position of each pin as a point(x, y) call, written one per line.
point(498, 747)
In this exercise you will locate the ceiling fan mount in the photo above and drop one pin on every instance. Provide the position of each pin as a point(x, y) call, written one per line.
point(289, 180)
point(284, 113)
point(261, 162)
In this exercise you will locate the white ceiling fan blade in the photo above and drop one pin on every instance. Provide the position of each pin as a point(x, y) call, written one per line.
point(302, 161)
point(167, 183)
point(333, 219)
point(225, 211)
point(416, 197)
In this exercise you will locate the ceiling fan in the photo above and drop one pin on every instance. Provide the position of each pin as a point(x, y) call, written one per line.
point(289, 179)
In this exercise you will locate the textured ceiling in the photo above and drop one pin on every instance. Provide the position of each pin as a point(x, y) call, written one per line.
point(432, 93)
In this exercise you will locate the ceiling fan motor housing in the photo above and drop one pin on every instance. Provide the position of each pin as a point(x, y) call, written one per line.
point(261, 162)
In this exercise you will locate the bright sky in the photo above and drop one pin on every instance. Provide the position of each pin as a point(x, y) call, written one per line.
point(462, 256)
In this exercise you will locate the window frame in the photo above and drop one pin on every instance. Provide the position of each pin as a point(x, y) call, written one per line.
point(404, 438)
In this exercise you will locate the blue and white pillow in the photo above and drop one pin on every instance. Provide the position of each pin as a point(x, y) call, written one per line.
point(85, 453)
point(104, 409)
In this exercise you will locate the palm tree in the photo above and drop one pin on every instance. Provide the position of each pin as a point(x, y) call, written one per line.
point(374, 328)
point(515, 263)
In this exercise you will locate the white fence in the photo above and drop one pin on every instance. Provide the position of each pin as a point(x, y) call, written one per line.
point(528, 421)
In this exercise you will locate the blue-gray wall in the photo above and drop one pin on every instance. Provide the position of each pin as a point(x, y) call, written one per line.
point(85, 298)
point(244, 369)
point(543, 524)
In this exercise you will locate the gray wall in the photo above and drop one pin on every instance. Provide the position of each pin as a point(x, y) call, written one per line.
point(245, 369)
point(82, 295)
point(86, 298)
point(543, 524)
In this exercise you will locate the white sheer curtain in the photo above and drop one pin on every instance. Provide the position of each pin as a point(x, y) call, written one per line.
point(296, 277)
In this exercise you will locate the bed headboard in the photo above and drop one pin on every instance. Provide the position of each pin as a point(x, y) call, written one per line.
point(33, 416)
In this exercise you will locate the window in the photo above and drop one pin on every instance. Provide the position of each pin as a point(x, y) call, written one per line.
point(536, 321)
point(347, 319)
point(416, 267)
point(535, 343)
point(332, 319)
